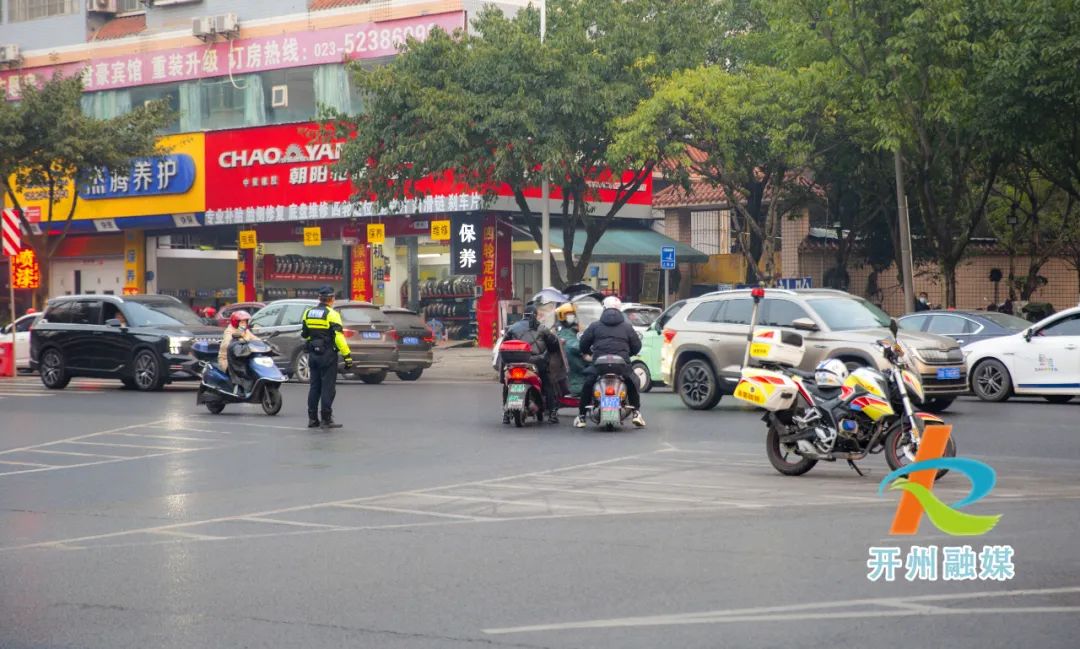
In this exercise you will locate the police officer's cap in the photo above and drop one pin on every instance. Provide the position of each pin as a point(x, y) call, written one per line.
point(326, 291)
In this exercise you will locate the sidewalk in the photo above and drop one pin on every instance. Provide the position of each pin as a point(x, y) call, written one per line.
point(462, 364)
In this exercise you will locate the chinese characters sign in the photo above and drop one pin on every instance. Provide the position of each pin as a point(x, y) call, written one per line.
point(466, 249)
point(293, 48)
point(170, 174)
point(953, 563)
point(248, 240)
point(313, 236)
point(376, 233)
point(361, 273)
point(25, 273)
point(440, 230)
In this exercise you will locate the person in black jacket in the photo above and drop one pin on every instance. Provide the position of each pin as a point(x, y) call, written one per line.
point(545, 345)
point(612, 335)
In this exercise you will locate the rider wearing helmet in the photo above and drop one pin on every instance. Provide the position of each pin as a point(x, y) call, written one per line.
point(611, 335)
point(237, 329)
point(566, 314)
point(545, 349)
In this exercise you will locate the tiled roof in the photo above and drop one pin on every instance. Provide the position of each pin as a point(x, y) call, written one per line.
point(121, 27)
point(316, 5)
point(701, 193)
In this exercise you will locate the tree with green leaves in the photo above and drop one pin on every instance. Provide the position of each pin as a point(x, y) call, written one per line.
point(48, 144)
point(499, 108)
point(749, 131)
point(911, 70)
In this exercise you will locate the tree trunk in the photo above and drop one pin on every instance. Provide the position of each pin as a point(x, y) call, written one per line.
point(948, 272)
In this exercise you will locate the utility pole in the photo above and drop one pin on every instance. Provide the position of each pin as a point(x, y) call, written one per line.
point(545, 191)
point(905, 236)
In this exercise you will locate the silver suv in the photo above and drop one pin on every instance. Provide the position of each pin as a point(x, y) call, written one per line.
point(704, 343)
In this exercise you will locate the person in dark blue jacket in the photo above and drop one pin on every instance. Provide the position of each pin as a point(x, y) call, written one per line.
point(611, 335)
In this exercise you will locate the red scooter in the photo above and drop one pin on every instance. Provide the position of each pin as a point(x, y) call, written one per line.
point(524, 389)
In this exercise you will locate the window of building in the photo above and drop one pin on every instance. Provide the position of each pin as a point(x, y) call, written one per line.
point(289, 95)
point(169, 92)
point(126, 6)
point(20, 10)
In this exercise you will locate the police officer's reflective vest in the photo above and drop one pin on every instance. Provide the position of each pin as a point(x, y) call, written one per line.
point(322, 324)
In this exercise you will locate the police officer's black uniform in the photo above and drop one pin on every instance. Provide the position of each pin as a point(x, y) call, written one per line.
point(322, 330)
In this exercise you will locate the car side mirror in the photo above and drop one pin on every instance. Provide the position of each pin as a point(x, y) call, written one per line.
point(804, 324)
point(114, 322)
point(894, 327)
point(1028, 333)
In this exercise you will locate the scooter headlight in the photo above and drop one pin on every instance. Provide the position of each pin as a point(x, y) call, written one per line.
point(264, 361)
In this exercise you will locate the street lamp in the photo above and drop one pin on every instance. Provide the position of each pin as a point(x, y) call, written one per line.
point(1013, 221)
point(545, 190)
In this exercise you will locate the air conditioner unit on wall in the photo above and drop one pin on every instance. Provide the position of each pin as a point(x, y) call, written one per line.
point(9, 53)
point(102, 6)
point(202, 27)
point(226, 24)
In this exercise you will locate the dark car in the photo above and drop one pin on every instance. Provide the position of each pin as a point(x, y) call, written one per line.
point(414, 343)
point(143, 340)
point(226, 311)
point(369, 333)
point(964, 326)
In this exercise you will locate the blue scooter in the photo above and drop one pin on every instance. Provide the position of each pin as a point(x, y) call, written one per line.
point(261, 383)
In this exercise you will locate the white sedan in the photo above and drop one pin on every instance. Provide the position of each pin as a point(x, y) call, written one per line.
point(1042, 360)
point(22, 339)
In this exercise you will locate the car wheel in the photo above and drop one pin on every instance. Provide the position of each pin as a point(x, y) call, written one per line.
point(937, 404)
point(641, 371)
point(301, 368)
point(374, 379)
point(990, 381)
point(1058, 398)
point(53, 370)
point(410, 375)
point(147, 371)
point(697, 385)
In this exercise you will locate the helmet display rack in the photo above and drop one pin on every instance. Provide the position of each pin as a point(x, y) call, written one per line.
point(452, 301)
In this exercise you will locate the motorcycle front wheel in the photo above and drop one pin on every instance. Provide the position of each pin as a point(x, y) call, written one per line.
point(900, 449)
point(271, 400)
point(783, 456)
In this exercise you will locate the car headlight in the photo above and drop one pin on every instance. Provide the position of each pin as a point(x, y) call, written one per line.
point(176, 343)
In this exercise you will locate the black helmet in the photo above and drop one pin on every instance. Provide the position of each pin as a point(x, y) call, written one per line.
point(530, 310)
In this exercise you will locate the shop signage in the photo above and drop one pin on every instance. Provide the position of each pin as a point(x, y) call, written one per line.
point(249, 240)
point(26, 274)
point(313, 236)
point(360, 273)
point(487, 275)
point(170, 174)
point(169, 184)
point(376, 233)
point(440, 230)
point(466, 248)
point(289, 49)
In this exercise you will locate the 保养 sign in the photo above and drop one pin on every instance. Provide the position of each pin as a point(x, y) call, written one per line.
point(172, 183)
point(376, 233)
point(249, 240)
point(313, 236)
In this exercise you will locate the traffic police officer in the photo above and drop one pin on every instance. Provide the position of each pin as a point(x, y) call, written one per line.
point(322, 331)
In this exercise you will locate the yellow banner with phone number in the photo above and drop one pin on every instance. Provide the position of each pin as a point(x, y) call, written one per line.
point(193, 200)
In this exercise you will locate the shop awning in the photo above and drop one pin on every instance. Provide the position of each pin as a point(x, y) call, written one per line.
point(634, 246)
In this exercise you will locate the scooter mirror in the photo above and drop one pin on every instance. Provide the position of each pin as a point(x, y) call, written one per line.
point(894, 327)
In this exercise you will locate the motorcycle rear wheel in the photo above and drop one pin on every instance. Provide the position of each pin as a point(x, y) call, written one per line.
point(215, 407)
point(519, 418)
point(779, 456)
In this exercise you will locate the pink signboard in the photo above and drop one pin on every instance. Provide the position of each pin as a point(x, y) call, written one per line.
point(241, 56)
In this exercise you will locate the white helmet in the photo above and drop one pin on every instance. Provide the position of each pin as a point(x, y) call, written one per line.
point(612, 302)
point(830, 374)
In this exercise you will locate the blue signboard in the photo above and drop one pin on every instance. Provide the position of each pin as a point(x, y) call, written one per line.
point(667, 258)
point(168, 174)
point(793, 283)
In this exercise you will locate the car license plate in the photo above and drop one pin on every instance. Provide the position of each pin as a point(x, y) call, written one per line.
point(411, 340)
point(609, 403)
point(948, 373)
point(372, 335)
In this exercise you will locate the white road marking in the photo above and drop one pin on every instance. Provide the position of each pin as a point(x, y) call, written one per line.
point(278, 521)
point(152, 448)
point(178, 438)
point(849, 609)
point(185, 535)
point(527, 503)
point(417, 512)
point(24, 394)
point(52, 452)
point(23, 463)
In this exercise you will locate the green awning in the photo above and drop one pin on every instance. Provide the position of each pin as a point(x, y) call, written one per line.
point(633, 246)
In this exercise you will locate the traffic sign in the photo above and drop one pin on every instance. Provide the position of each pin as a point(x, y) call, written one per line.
point(12, 234)
point(667, 258)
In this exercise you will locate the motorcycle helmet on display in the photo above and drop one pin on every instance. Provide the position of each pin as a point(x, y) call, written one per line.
point(830, 374)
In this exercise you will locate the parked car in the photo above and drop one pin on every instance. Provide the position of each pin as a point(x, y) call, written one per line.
point(369, 332)
point(226, 311)
point(143, 340)
point(414, 343)
point(647, 363)
point(21, 327)
point(1041, 360)
point(704, 343)
point(965, 327)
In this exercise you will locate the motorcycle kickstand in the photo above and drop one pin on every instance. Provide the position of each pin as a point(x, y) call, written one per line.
point(855, 468)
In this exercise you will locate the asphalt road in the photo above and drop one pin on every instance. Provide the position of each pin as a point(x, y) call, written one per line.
point(139, 520)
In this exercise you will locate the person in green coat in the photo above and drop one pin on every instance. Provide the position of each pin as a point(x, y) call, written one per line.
point(568, 337)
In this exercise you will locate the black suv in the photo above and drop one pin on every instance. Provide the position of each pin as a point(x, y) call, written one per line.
point(143, 340)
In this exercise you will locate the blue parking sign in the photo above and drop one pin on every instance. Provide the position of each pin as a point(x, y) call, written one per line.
point(667, 258)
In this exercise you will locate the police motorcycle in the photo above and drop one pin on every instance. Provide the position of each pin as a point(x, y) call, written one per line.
point(609, 408)
point(258, 379)
point(829, 414)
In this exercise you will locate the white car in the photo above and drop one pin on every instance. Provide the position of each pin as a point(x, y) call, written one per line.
point(22, 339)
point(640, 316)
point(1042, 360)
